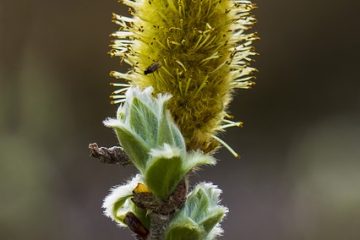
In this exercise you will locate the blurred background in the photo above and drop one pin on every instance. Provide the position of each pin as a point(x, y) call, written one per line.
point(299, 173)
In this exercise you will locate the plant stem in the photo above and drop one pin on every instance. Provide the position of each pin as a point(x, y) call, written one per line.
point(158, 225)
point(161, 212)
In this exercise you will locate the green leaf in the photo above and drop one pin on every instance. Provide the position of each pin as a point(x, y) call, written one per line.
point(215, 232)
point(213, 218)
point(118, 203)
point(196, 159)
point(184, 229)
point(164, 171)
point(169, 133)
point(167, 166)
point(125, 205)
point(142, 215)
point(199, 202)
point(165, 134)
point(179, 140)
point(143, 121)
point(203, 209)
point(134, 146)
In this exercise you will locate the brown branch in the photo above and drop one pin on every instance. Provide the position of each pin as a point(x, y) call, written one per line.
point(113, 155)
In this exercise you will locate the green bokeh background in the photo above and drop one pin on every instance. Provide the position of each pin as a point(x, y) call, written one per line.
point(299, 175)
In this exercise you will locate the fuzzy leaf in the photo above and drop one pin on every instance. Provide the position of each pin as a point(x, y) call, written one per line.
point(184, 230)
point(165, 133)
point(120, 208)
point(179, 140)
point(197, 159)
point(164, 171)
point(143, 121)
point(168, 131)
point(168, 165)
point(212, 219)
point(215, 232)
point(199, 202)
point(133, 145)
point(202, 207)
point(118, 202)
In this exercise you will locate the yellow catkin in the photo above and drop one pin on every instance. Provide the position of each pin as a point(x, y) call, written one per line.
point(197, 50)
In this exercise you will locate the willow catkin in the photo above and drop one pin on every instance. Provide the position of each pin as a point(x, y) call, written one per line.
point(197, 50)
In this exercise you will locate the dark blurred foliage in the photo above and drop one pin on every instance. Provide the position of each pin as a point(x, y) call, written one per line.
point(299, 174)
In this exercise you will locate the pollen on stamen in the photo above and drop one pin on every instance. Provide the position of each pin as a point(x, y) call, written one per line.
point(232, 151)
point(119, 91)
point(118, 101)
point(231, 124)
point(117, 97)
point(119, 84)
